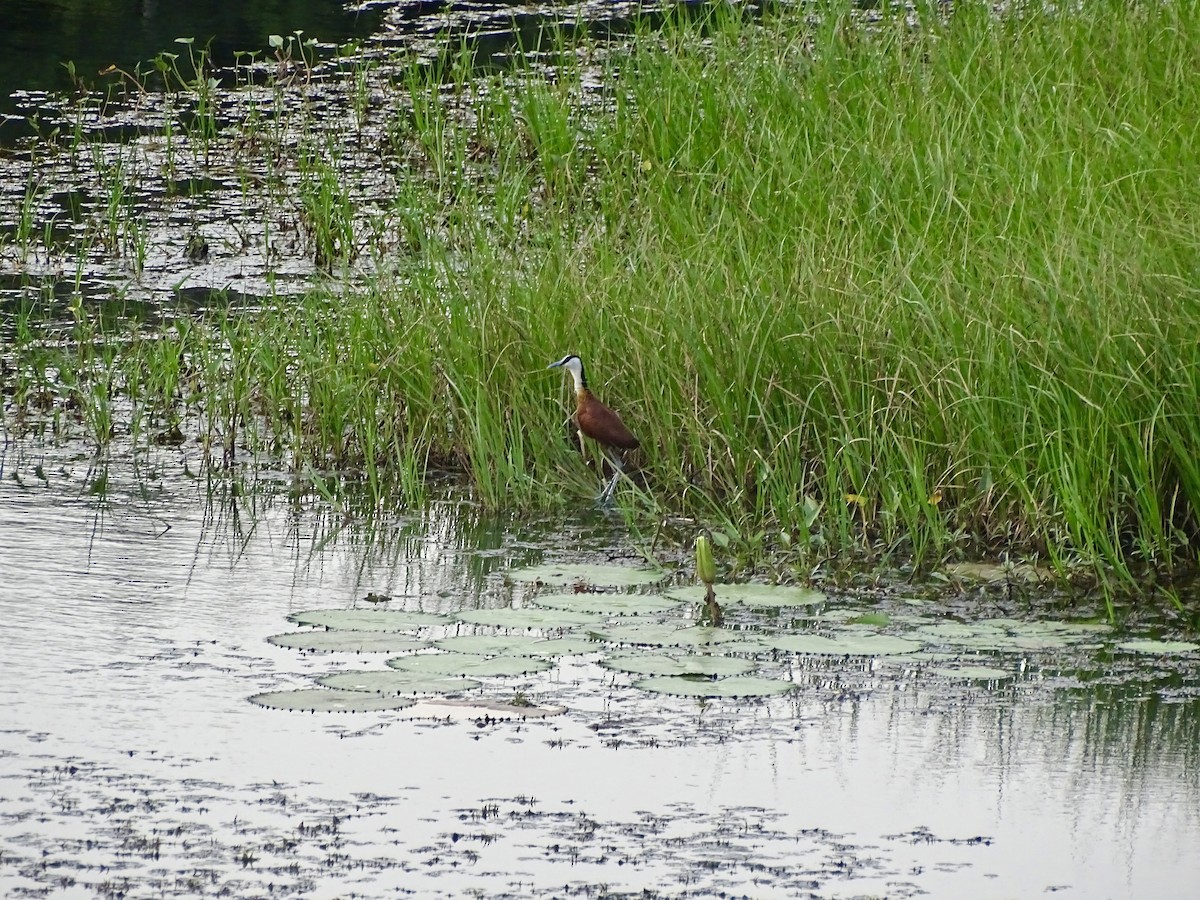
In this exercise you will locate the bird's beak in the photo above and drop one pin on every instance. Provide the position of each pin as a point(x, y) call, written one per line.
point(554, 365)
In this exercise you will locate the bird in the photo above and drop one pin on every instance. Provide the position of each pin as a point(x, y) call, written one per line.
point(597, 421)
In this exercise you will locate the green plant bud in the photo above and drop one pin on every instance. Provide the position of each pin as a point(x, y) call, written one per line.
point(706, 569)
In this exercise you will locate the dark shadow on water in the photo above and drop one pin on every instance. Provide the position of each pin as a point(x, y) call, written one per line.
point(38, 36)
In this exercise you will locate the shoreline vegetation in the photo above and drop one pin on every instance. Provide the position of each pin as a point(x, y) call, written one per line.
point(916, 288)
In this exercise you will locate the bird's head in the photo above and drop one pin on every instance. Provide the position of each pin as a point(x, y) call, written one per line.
point(574, 365)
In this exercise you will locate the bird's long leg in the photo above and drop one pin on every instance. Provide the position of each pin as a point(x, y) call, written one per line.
point(618, 471)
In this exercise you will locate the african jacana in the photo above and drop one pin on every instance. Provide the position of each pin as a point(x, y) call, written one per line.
point(597, 421)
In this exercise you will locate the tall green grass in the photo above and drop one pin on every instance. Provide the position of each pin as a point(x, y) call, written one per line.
point(900, 288)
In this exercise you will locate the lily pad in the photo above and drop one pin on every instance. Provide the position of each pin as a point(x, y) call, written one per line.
point(347, 641)
point(668, 635)
point(579, 573)
point(973, 673)
point(469, 665)
point(482, 709)
point(845, 645)
point(690, 664)
point(366, 619)
point(762, 595)
point(516, 645)
point(324, 700)
point(999, 572)
point(527, 618)
point(390, 682)
point(1145, 645)
point(607, 604)
point(737, 686)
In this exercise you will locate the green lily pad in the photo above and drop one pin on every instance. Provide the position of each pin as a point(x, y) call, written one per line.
point(527, 618)
point(999, 572)
point(1144, 645)
point(845, 645)
point(972, 673)
point(467, 664)
point(324, 700)
point(690, 664)
point(347, 641)
point(877, 619)
point(762, 595)
point(516, 645)
point(366, 619)
point(579, 573)
point(736, 686)
point(668, 635)
point(481, 708)
point(390, 682)
point(607, 604)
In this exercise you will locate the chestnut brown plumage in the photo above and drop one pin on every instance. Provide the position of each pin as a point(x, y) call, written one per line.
point(597, 421)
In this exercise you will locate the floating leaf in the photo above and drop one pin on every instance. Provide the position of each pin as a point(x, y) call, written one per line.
point(348, 641)
point(878, 619)
point(516, 645)
point(691, 664)
point(469, 664)
point(572, 573)
point(845, 645)
point(762, 595)
point(476, 709)
point(366, 619)
point(324, 700)
point(607, 604)
point(1144, 645)
point(737, 686)
point(1000, 572)
point(972, 673)
point(391, 682)
point(670, 635)
point(527, 618)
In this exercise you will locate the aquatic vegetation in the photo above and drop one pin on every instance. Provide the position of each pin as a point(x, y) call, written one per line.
point(527, 618)
point(516, 645)
point(607, 604)
point(346, 641)
point(467, 664)
point(587, 574)
point(681, 664)
point(734, 686)
point(858, 324)
point(367, 619)
point(760, 595)
point(325, 700)
point(389, 682)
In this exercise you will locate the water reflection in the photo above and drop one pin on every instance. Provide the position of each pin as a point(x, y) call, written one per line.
point(130, 648)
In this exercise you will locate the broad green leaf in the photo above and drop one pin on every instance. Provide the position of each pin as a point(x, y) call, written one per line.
point(579, 573)
point(366, 619)
point(736, 686)
point(348, 641)
point(324, 700)
point(389, 682)
point(467, 664)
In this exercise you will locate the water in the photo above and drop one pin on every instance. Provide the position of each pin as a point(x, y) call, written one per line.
point(132, 764)
point(38, 36)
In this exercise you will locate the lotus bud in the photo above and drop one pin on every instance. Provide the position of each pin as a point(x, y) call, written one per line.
point(706, 568)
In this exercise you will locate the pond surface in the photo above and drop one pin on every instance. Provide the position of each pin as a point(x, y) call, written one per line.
point(133, 765)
